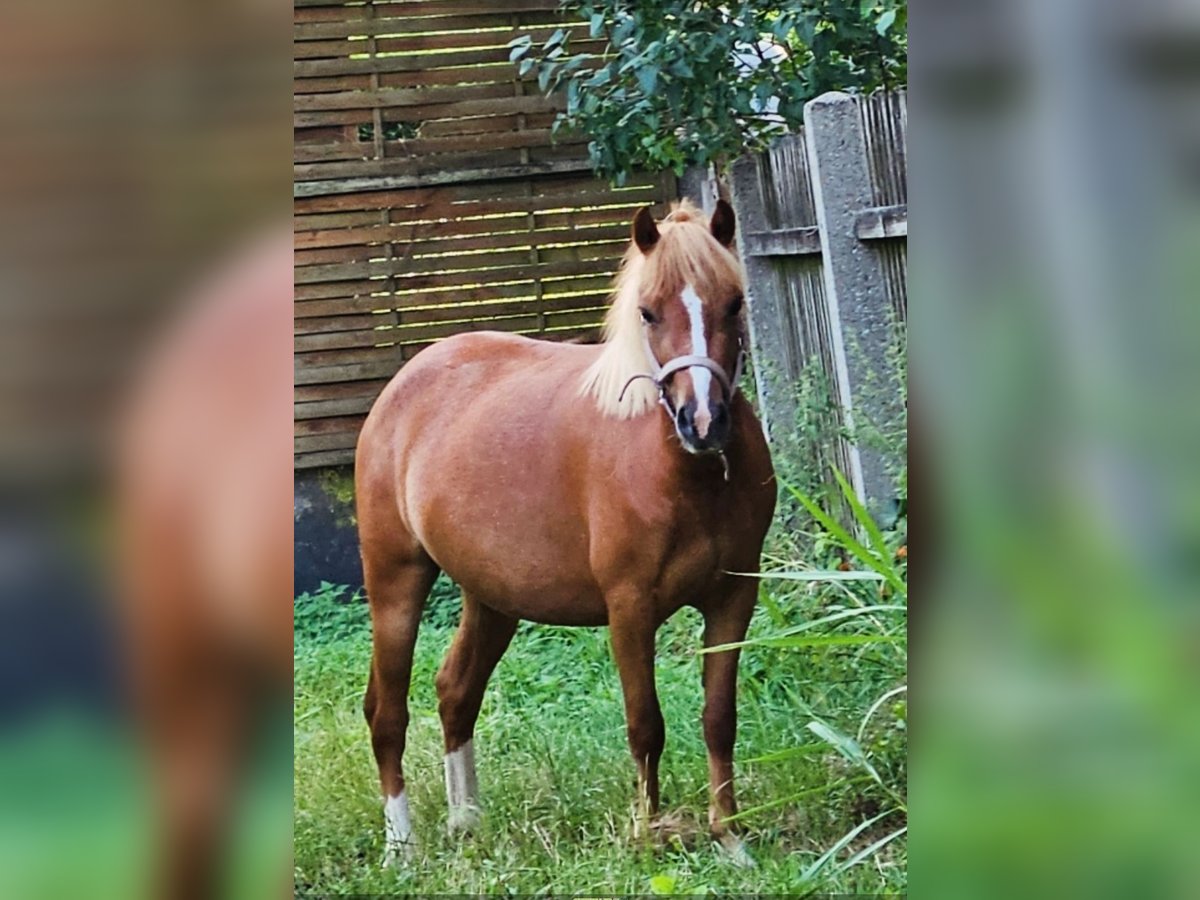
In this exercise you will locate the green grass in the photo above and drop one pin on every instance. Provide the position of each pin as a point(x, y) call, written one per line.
point(822, 803)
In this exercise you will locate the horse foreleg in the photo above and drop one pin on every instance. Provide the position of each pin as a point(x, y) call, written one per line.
point(397, 595)
point(196, 722)
point(632, 633)
point(483, 636)
point(724, 623)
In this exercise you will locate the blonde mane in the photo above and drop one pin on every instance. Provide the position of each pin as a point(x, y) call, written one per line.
point(685, 252)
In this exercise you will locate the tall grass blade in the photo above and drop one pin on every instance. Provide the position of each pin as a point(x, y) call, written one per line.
point(816, 575)
point(794, 641)
point(875, 706)
point(867, 557)
point(868, 851)
point(811, 872)
point(864, 518)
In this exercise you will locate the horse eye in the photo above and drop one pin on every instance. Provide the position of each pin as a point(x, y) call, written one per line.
point(736, 306)
point(647, 316)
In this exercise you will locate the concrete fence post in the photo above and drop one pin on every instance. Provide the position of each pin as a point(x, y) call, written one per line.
point(855, 284)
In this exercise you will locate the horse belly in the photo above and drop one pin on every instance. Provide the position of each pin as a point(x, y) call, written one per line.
point(526, 566)
point(505, 525)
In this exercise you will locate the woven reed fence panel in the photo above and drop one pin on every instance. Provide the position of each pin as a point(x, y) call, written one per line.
point(431, 199)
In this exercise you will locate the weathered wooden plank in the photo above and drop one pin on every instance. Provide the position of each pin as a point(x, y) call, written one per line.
point(385, 182)
point(435, 164)
point(599, 285)
point(408, 242)
point(415, 62)
point(882, 222)
point(333, 425)
point(501, 72)
point(325, 49)
point(304, 9)
point(329, 373)
point(392, 98)
point(310, 393)
point(388, 21)
point(422, 44)
point(356, 304)
point(408, 63)
point(466, 280)
point(501, 37)
point(446, 216)
point(320, 409)
point(358, 321)
point(562, 186)
point(465, 311)
point(360, 288)
point(345, 440)
point(323, 458)
point(496, 101)
point(393, 356)
point(343, 340)
point(783, 242)
point(486, 124)
point(419, 147)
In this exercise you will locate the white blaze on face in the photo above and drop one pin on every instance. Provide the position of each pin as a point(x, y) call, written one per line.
point(462, 789)
point(701, 378)
point(397, 824)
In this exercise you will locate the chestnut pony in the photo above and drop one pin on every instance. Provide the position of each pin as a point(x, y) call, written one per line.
point(572, 485)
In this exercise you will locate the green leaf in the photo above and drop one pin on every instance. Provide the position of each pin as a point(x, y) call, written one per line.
point(885, 22)
point(526, 65)
point(844, 744)
point(647, 77)
point(596, 26)
point(600, 77)
point(555, 39)
point(662, 884)
point(517, 52)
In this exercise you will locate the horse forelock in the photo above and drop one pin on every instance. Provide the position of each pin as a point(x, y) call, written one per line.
point(686, 253)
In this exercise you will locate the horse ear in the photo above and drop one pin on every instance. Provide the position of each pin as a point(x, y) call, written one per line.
point(645, 232)
point(723, 223)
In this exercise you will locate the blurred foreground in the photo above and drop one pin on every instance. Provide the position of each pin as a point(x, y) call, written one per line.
point(1056, 365)
point(144, 306)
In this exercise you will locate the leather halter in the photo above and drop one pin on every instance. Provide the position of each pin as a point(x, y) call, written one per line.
point(663, 374)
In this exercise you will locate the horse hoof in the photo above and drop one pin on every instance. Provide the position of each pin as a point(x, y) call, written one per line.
point(734, 850)
point(398, 854)
point(464, 819)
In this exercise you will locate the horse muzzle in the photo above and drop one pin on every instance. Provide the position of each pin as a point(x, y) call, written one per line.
point(703, 431)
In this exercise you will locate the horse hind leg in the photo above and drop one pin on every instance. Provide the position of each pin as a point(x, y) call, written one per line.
point(483, 636)
point(397, 590)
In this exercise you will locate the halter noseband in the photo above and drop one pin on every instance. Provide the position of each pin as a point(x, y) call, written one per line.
point(662, 377)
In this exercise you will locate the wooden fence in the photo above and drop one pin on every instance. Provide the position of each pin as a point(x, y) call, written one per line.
point(430, 198)
point(823, 227)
